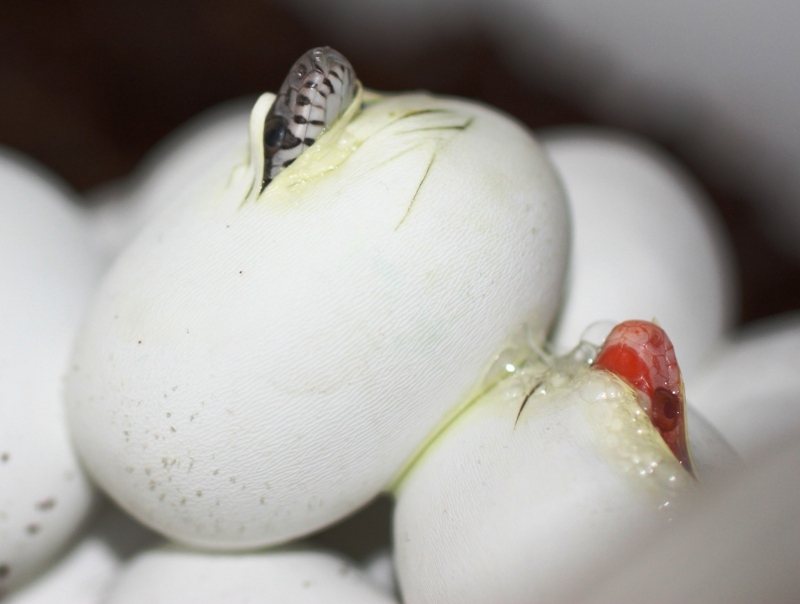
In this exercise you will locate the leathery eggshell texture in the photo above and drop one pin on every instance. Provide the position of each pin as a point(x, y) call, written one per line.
point(47, 273)
point(292, 576)
point(256, 366)
point(530, 507)
point(645, 244)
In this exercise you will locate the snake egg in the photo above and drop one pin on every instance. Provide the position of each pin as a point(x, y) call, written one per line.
point(260, 363)
point(549, 478)
point(645, 243)
point(283, 576)
point(48, 273)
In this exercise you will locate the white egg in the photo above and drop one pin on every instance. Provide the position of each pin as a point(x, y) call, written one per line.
point(379, 570)
point(198, 156)
point(751, 393)
point(85, 573)
point(741, 543)
point(513, 504)
point(47, 273)
point(280, 577)
point(255, 367)
point(645, 244)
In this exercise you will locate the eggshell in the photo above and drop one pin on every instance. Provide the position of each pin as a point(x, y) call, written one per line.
point(48, 272)
point(256, 367)
point(741, 543)
point(752, 390)
point(379, 570)
point(279, 577)
point(645, 244)
point(198, 156)
point(85, 573)
point(510, 506)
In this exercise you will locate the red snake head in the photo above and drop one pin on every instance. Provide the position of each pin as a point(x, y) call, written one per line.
point(641, 353)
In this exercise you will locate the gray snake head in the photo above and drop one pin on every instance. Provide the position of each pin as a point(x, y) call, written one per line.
point(319, 87)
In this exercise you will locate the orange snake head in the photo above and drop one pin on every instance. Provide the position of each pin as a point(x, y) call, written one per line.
point(641, 353)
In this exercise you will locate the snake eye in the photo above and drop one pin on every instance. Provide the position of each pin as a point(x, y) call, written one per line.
point(274, 133)
point(666, 410)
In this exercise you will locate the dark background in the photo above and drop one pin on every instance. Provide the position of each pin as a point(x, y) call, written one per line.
point(88, 87)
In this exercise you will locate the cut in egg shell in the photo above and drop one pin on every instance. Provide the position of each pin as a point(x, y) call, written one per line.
point(540, 486)
point(285, 576)
point(645, 243)
point(257, 366)
point(48, 273)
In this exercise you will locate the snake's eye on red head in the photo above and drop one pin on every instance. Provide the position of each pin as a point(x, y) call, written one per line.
point(641, 353)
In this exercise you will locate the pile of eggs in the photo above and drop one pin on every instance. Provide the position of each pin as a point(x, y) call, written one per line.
point(412, 307)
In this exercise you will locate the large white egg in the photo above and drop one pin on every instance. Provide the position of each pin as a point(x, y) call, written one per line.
point(530, 504)
point(645, 244)
point(255, 367)
point(741, 543)
point(198, 156)
point(47, 273)
point(171, 575)
point(751, 392)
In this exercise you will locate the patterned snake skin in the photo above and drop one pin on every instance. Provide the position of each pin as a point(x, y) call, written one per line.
point(320, 87)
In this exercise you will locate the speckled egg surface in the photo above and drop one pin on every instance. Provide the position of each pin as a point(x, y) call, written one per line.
point(47, 274)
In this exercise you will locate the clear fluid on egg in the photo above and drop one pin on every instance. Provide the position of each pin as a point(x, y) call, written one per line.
point(620, 425)
point(626, 435)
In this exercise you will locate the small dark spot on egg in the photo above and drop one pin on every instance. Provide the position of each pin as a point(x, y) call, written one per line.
point(46, 504)
point(169, 414)
point(172, 429)
point(4, 457)
point(5, 570)
point(183, 500)
point(32, 529)
point(199, 493)
point(139, 342)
